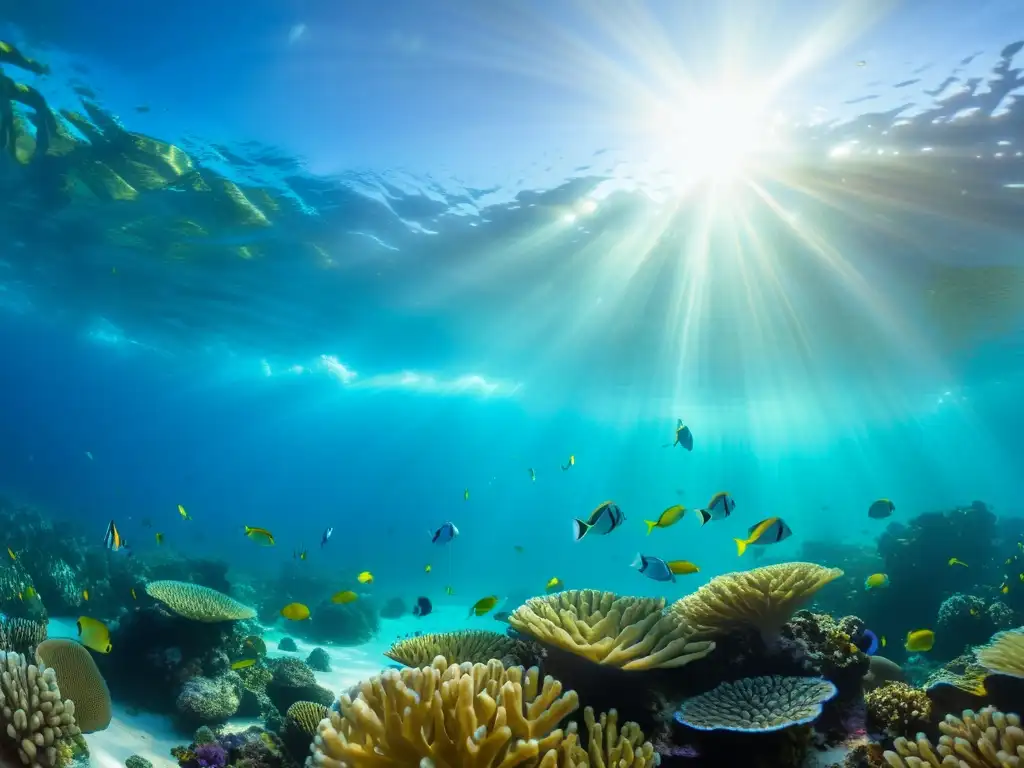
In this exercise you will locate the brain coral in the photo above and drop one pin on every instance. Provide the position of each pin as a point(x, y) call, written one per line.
point(757, 704)
point(1004, 653)
point(197, 603)
point(764, 598)
point(38, 721)
point(627, 632)
point(986, 738)
point(80, 680)
point(474, 646)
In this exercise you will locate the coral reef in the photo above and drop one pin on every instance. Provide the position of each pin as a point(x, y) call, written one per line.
point(897, 709)
point(192, 601)
point(287, 645)
point(963, 621)
point(757, 704)
point(348, 624)
point(630, 633)
point(826, 647)
point(986, 738)
point(137, 761)
point(607, 744)
point(1004, 653)
point(80, 680)
point(294, 681)
point(39, 723)
point(763, 598)
point(206, 700)
point(300, 724)
point(319, 660)
point(21, 635)
point(475, 646)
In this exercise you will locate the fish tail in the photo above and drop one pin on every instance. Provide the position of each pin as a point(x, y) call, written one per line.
point(651, 525)
point(741, 546)
point(704, 515)
point(638, 562)
point(579, 529)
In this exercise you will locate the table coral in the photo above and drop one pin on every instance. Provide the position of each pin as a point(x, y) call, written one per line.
point(474, 646)
point(757, 704)
point(198, 603)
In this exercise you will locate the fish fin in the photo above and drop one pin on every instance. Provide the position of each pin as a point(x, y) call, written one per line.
point(651, 525)
point(579, 529)
point(741, 546)
point(638, 562)
point(704, 516)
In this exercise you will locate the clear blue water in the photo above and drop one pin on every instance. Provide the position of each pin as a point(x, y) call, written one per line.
point(492, 239)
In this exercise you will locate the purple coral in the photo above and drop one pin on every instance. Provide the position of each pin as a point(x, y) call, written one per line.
point(211, 756)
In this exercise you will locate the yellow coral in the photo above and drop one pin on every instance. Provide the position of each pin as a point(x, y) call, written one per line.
point(469, 645)
point(898, 708)
point(962, 673)
point(458, 716)
point(192, 601)
point(987, 739)
point(1004, 653)
point(628, 632)
point(38, 719)
point(607, 745)
point(80, 680)
point(764, 598)
point(305, 716)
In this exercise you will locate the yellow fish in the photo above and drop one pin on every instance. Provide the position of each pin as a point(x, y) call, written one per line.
point(682, 567)
point(94, 634)
point(295, 612)
point(183, 513)
point(769, 531)
point(876, 580)
point(341, 598)
point(955, 561)
point(1004, 588)
point(465, 495)
point(85, 595)
point(159, 538)
point(134, 596)
point(669, 517)
point(920, 640)
point(428, 568)
point(554, 584)
point(30, 592)
point(483, 605)
point(11, 553)
point(243, 663)
point(571, 463)
point(449, 590)
point(261, 536)
point(365, 578)
point(21, 596)
point(974, 611)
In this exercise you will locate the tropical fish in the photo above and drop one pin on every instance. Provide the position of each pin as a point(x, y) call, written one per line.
point(670, 516)
point(159, 538)
point(683, 437)
point(295, 612)
point(134, 596)
point(341, 598)
point(85, 595)
point(11, 554)
point(1004, 588)
point(465, 495)
point(260, 535)
point(301, 554)
point(682, 567)
point(183, 513)
point(719, 508)
point(956, 561)
point(975, 612)
point(112, 538)
point(533, 475)
point(483, 605)
point(446, 533)
point(328, 532)
point(605, 518)
point(570, 463)
point(94, 634)
point(30, 592)
point(876, 580)
point(365, 578)
point(428, 568)
point(870, 642)
point(920, 640)
point(554, 584)
point(422, 607)
point(243, 663)
point(771, 530)
point(653, 568)
point(449, 590)
point(881, 509)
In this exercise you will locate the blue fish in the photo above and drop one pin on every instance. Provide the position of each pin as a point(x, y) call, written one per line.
point(444, 534)
point(869, 643)
point(602, 521)
point(684, 437)
point(327, 536)
point(653, 568)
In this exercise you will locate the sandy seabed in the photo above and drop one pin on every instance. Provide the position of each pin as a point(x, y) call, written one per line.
point(151, 736)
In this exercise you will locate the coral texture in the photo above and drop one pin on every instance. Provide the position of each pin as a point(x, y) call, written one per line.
point(1004, 653)
point(80, 680)
point(897, 708)
point(962, 673)
point(21, 635)
point(757, 704)
point(631, 633)
point(608, 746)
point(474, 646)
point(197, 603)
point(306, 716)
point(137, 761)
point(209, 700)
point(764, 598)
point(294, 681)
point(38, 721)
point(986, 739)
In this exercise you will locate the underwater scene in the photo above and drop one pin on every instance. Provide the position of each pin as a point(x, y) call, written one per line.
point(491, 384)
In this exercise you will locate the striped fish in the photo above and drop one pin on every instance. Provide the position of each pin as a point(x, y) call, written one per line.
point(112, 538)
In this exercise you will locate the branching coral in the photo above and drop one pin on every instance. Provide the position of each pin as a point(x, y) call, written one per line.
point(986, 739)
point(38, 721)
point(1004, 653)
point(897, 708)
point(764, 598)
point(474, 646)
point(631, 633)
point(197, 603)
point(21, 635)
point(80, 680)
point(607, 745)
point(757, 704)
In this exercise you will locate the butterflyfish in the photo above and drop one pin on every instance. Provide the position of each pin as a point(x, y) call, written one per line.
point(920, 640)
point(483, 605)
point(94, 634)
point(670, 516)
point(719, 508)
point(260, 535)
point(605, 518)
point(342, 598)
point(771, 530)
point(570, 463)
point(881, 509)
point(443, 535)
point(876, 580)
point(365, 578)
point(295, 612)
